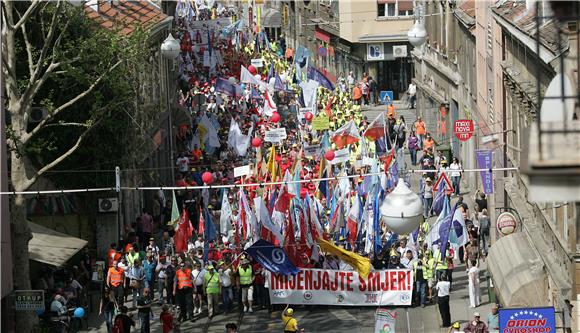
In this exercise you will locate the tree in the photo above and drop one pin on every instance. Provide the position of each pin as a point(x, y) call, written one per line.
point(54, 56)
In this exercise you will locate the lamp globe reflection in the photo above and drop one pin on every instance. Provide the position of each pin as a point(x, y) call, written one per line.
point(170, 48)
point(402, 209)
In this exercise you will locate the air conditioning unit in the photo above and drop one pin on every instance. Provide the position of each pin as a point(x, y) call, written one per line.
point(400, 51)
point(37, 114)
point(108, 205)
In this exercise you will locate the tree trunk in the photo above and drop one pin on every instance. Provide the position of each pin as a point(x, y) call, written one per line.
point(21, 235)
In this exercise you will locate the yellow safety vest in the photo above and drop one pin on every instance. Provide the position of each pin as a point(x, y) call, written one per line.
point(428, 270)
point(245, 276)
point(212, 283)
point(441, 262)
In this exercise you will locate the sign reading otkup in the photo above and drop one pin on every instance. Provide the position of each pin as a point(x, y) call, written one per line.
point(463, 129)
point(527, 320)
point(28, 300)
point(332, 287)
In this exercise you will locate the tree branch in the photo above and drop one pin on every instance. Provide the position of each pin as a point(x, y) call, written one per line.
point(68, 124)
point(28, 50)
point(61, 158)
point(26, 14)
point(71, 102)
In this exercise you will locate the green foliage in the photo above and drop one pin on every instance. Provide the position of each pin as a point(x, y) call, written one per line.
point(87, 51)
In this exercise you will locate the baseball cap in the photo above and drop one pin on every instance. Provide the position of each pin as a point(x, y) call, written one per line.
point(456, 325)
point(290, 311)
point(476, 314)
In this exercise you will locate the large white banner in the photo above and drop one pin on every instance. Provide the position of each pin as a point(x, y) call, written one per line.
point(331, 287)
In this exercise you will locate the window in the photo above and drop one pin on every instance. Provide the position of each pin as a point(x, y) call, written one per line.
point(393, 8)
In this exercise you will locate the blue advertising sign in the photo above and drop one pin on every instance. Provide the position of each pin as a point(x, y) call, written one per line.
point(386, 97)
point(516, 320)
point(484, 159)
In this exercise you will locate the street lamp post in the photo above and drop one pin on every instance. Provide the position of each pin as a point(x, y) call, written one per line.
point(170, 50)
point(402, 209)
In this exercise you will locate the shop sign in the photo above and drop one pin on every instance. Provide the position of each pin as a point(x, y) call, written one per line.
point(28, 300)
point(506, 223)
point(463, 129)
point(527, 320)
point(375, 52)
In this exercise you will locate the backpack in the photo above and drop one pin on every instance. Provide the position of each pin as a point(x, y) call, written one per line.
point(118, 325)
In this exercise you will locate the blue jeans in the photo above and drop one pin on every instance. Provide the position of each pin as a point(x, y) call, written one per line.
point(421, 291)
point(109, 320)
point(456, 180)
point(144, 322)
point(413, 153)
point(227, 298)
point(427, 206)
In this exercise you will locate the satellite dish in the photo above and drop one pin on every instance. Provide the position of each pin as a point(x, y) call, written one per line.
point(553, 107)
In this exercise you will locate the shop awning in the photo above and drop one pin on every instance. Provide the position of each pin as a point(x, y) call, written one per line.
point(271, 18)
point(517, 272)
point(52, 247)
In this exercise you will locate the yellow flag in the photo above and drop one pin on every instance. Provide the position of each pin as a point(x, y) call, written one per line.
point(361, 264)
point(272, 162)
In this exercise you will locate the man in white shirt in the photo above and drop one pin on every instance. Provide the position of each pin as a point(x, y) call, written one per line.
point(58, 305)
point(183, 163)
point(350, 80)
point(197, 275)
point(455, 172)
point(408, 260)
point(225, 276)
point(160, 271)
point(443, 300)
point(412, 91)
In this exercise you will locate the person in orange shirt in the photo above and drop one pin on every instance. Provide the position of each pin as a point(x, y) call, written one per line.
point(428, 142)
point(357, 94)
point(391, 111)
point(420, 130)
point(116, 281)
point(111, 254)
point(183, 288)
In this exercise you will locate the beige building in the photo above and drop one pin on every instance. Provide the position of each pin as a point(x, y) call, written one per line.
point(354, 35)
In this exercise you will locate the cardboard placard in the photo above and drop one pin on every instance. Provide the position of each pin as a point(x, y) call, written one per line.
point(242, 171)
point(275, 135)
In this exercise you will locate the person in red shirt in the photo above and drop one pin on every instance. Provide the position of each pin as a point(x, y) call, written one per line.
point(166, 319)
point(259, 285)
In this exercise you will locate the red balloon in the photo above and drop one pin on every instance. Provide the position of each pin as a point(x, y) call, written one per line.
point(207, 177)
point(329, 155)
point(252, 70)
point(256, 142)
point(308, 116)
point(275, 117)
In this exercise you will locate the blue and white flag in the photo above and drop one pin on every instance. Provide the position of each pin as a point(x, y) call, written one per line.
point(458, 235)
point(433, 236)
point(437, 206)
point(272, 258)
point(445, 229)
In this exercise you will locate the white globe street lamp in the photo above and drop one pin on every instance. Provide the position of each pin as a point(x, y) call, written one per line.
point(402, 209)
point(170, 48)
point(417, 35)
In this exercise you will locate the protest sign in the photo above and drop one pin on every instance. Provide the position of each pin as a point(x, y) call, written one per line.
point(242, 171)
point(341, 156)
point(333, 287)
point(312, 150)
point(275, 135)
point(320, 122)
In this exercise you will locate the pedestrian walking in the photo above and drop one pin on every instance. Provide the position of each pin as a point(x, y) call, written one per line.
point(198, 275)
point(211, 286)
point(456, 172)
point(166, 319)
point(484, 223)
point(412, 92)
point(493, 318)
point(107, 306)
point(427, 197)
point(443, 300)
point(420, 281)
point(144, 310)
point(116, 282)
point(246, 279)
point(137, 280)
point(413, 146)
point(420, 129)
point(182, 289)
point(476, 325)
point(227, 292)
point(473, 276)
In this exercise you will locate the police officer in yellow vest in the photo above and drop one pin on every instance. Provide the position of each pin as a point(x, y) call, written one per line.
point(420, 271)
point(211, 285)
point(441, 263)
point(428, 273)
point(246, 280)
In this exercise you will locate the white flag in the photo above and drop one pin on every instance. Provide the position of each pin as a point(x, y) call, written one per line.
point(264, 218)
point(226, 215)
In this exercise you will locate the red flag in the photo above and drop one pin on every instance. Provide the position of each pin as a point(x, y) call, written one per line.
point(183, 232)
point(283, 202)
point(290, 245)
point(346, 135)
point(389, 160)
point(328, 108)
